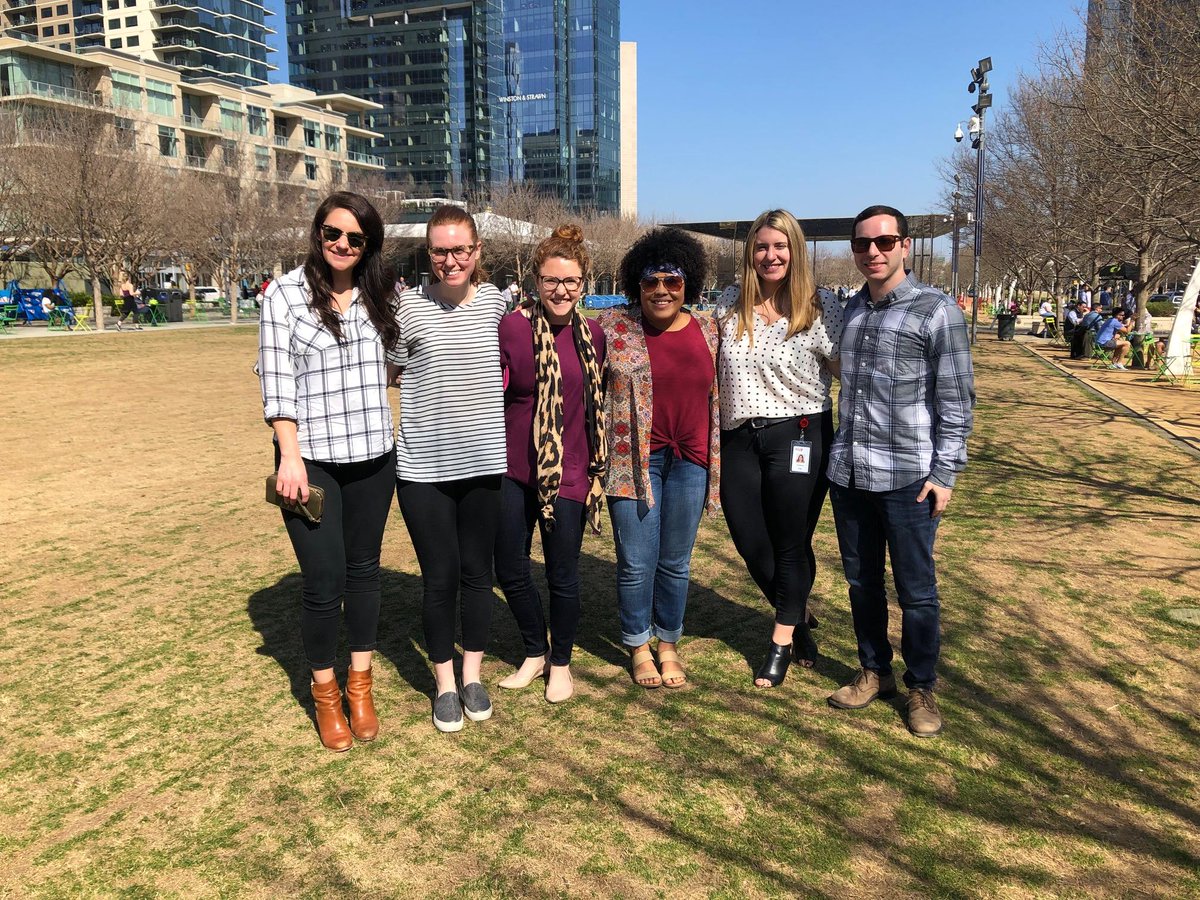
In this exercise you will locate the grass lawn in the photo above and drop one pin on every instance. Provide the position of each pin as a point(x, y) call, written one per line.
point(158, 739)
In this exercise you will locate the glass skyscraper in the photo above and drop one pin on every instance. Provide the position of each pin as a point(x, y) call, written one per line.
point(476, 95)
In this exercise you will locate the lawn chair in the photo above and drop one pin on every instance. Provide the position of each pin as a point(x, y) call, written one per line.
point(8, 317)
point(1101, 358)
point(157, 316)
point(83, 318)
point(198, 313)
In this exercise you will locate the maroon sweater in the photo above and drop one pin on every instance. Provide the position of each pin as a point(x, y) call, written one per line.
point(516, 357)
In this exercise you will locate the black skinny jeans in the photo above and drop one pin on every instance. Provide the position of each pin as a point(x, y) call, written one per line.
point(339, 556)
point(519, 510)
point(772, 512)
point(452, 525)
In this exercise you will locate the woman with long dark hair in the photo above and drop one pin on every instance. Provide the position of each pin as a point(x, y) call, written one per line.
point(450, 454)
point(780, 339)
point(323, 336)
point(553, 360)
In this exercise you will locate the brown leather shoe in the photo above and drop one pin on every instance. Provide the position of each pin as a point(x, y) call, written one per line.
point(363, 721)
point(331, 721)
point(866, 686)
point(924, 719)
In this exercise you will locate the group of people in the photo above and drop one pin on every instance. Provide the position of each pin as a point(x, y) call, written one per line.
point(535, 419)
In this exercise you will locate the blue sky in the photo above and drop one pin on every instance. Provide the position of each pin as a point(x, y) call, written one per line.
point(820, 107)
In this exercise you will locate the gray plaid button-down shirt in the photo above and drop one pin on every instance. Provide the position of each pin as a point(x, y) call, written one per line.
point(908, 389)
point(336, 393)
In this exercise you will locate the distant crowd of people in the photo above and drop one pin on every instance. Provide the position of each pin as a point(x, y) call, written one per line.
point(531, 420)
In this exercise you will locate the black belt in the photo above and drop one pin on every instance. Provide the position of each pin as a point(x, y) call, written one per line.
point(759, 422)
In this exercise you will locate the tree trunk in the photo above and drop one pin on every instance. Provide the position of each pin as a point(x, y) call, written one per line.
point(97, 304)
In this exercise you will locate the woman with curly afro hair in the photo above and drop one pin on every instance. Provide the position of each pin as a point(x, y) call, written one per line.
point(662, 419)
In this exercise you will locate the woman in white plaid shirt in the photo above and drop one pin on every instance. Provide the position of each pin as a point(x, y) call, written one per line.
point(324, 333)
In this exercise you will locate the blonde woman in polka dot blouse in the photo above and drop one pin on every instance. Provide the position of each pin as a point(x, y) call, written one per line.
point(777, 360)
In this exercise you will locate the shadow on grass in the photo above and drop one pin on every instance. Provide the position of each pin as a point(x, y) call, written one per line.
point(275, 613)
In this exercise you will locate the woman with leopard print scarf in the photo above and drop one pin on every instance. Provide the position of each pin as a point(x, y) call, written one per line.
point(553, 359)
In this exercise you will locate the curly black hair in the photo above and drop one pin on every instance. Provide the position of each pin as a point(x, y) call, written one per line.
point(664, 247)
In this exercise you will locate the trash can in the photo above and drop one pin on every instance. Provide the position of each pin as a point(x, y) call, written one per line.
point(171, 304)
point(1006, 327)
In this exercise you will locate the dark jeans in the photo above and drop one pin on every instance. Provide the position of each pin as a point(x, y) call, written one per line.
point(519, 511)
point(339, 556)
point(772, 512)
point(867, 523)
point(453, 528)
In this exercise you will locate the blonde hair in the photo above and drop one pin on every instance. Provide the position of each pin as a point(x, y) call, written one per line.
point(565, 243)
point(796, 299)
point(449, 214)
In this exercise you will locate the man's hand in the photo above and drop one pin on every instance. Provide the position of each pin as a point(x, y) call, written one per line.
point(941, 498)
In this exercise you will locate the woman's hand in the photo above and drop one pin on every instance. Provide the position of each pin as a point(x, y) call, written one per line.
point(291, 479)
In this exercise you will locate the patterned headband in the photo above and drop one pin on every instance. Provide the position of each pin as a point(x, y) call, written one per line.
point(651, 271)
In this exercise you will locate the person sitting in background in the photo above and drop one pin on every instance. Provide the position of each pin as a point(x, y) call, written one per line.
point(1109, 337)
point(1071, 320)
point(1089, 321)
point(49, 306)
point(1049, 317)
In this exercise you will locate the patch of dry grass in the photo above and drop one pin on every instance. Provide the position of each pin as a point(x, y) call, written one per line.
point(158, 740)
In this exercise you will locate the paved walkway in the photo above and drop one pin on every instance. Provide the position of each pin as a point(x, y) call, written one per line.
point(1174, 408)
point(39, 329)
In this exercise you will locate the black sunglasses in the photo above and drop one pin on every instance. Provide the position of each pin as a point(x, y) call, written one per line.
point(331, 235)
point(885, 242)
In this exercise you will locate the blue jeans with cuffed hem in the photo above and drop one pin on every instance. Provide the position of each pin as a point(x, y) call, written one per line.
point(654, 549)
point(868, 523)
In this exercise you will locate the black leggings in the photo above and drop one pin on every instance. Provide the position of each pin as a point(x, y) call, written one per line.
point(772, 512)
point(339, 556)
point(519, 510)
point(452, 525)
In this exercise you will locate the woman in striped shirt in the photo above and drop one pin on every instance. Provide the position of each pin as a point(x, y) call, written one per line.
point(450, 453)
point(322, 337)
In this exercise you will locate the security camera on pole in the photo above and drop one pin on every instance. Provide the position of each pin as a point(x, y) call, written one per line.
point(975, 129)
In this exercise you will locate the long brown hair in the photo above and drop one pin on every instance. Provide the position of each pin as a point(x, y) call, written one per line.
point(796, 300)
point(372, 276)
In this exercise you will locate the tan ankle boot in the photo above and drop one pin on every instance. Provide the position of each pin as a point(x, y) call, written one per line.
point(363, 721)
point(331, 721)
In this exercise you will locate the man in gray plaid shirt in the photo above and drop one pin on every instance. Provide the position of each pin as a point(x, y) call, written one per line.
point(904, 414)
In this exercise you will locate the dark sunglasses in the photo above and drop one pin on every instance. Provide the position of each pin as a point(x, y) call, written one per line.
point(670, 282)
point(885, 242)
point(331, 235)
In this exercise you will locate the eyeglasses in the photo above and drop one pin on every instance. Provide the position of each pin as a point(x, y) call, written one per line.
point(331, 235)
point(670, 282)
point(885, 243)
point(571, 283)
point(462, 254)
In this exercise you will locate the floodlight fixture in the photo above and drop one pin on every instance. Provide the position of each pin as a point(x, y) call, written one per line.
point(985, 65)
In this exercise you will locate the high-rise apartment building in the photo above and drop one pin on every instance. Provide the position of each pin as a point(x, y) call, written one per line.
point(478, 94)
point(225, 39)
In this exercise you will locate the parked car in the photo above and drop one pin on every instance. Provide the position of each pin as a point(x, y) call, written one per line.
point(206, 293)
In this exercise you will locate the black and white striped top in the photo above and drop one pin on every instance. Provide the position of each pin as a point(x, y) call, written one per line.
point(452, 390)
point(335, 393)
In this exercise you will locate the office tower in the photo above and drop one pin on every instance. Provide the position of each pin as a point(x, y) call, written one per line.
point(479, 95)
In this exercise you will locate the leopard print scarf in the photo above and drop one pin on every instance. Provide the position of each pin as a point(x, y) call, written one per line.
point(548, 415)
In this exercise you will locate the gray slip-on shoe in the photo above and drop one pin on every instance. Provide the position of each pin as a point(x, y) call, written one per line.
point(447, 712)
point(476, 703)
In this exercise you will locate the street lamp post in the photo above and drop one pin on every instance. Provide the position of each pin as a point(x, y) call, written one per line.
point(954, 239)
point(975, 127)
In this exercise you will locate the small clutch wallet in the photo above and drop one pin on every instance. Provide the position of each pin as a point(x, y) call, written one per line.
point(311, 510)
